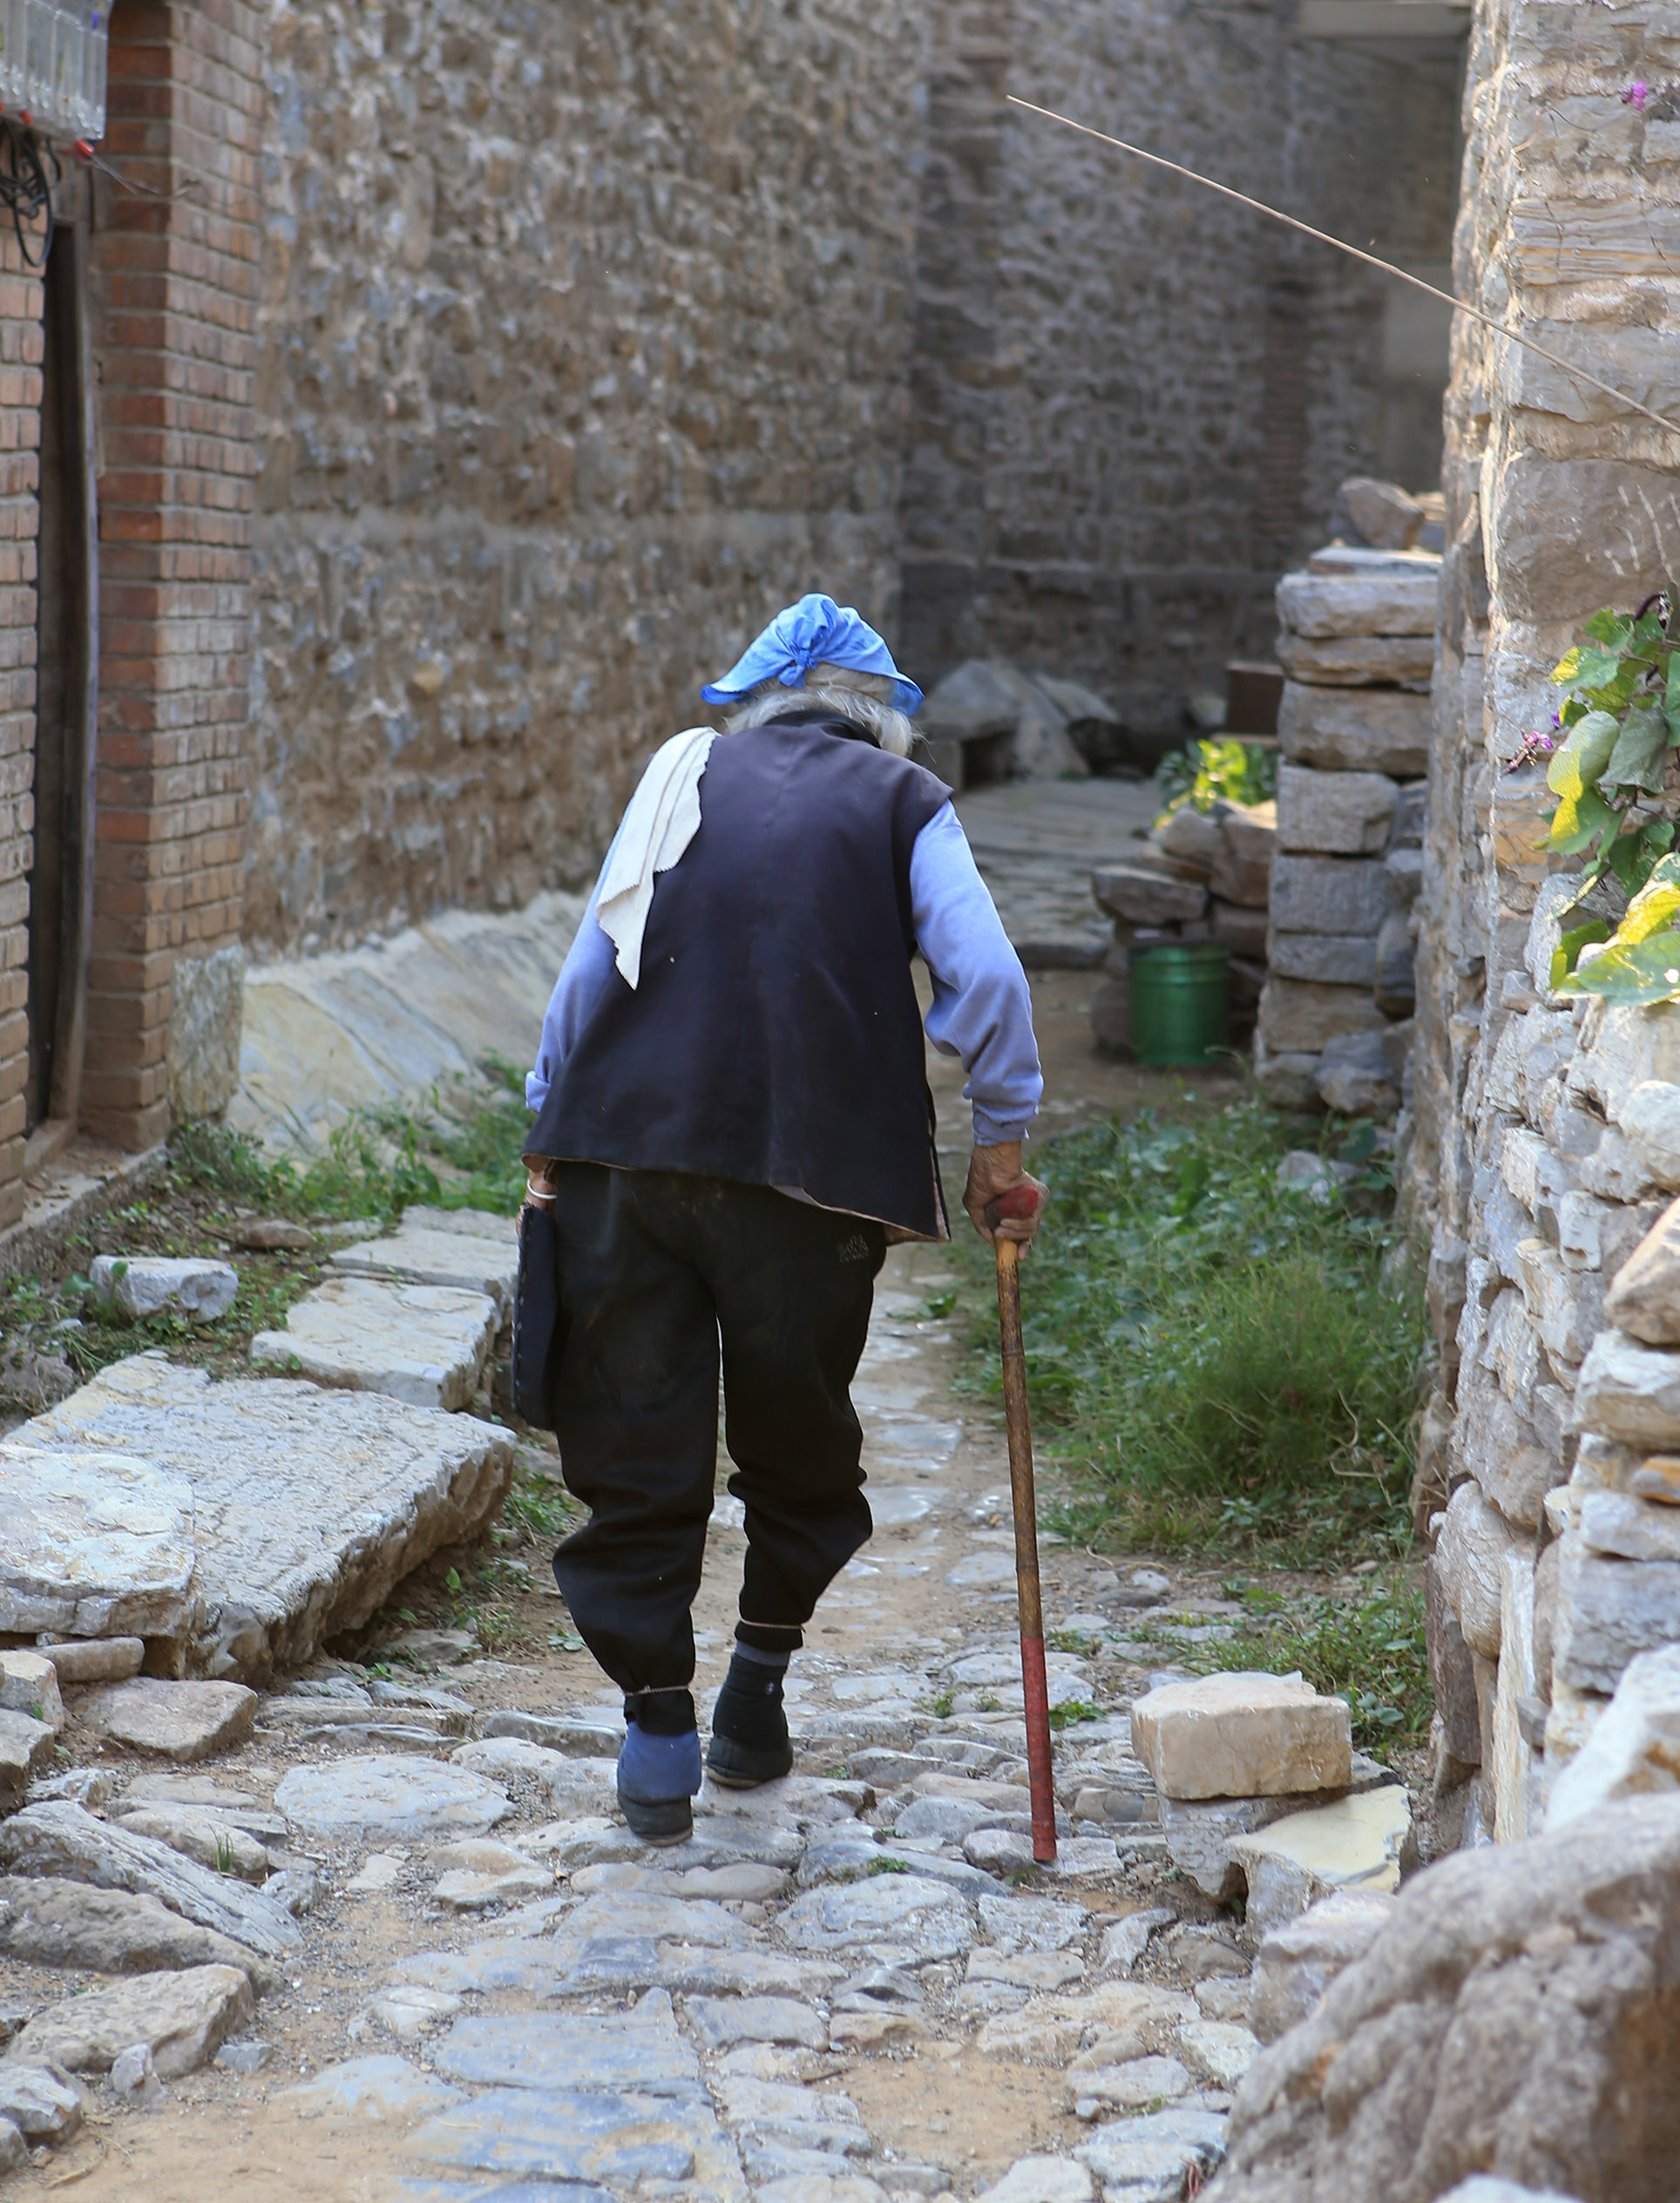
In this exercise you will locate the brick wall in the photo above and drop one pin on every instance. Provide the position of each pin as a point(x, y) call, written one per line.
point(175, 281)
point(20, 430)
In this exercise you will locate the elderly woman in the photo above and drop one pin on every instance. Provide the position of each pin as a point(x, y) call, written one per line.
point(732, 1121)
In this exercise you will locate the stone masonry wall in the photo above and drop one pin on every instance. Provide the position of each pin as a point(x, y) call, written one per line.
point(585, 336)
point(1132, 402)
point(1544, 1139)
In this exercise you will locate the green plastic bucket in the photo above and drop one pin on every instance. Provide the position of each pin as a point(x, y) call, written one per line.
point(1181, 1001)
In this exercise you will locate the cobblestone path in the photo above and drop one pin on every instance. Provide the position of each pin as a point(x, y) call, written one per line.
point(850, 1986)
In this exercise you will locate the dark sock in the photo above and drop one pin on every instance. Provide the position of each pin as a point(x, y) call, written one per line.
point(748, 1709)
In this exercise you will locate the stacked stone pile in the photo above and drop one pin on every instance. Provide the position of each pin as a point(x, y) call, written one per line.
point(1553, 1504)
point(1357, 645)
point(1262, 1796)
point(1202, 876)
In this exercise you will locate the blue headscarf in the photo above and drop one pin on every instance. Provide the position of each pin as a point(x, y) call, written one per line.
point(814, 632)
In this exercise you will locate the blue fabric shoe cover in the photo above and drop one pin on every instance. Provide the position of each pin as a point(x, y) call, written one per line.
point(653, 1769)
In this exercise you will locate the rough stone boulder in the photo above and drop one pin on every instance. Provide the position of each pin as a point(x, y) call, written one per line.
point(1519, 2015)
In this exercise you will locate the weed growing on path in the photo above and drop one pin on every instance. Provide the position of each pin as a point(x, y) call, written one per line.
point(1217, 1362)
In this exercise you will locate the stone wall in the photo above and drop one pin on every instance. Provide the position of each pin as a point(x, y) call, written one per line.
point(1540, 1152)
point(1352, 727)
point(585, 335)
point(1133, 402)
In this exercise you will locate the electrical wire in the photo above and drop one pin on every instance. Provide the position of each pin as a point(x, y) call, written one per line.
point(24, 190)
point(1387, 268)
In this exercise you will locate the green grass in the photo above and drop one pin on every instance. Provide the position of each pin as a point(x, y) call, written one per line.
point(1217, 1364)
point(1367, 1648)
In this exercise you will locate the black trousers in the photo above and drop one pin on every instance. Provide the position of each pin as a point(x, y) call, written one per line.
point(654, 1268)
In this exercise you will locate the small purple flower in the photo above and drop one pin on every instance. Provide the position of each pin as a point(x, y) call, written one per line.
point(1635, 96)
point(1533, 746)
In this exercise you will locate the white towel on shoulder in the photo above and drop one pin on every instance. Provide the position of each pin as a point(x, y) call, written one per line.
point(663, 818)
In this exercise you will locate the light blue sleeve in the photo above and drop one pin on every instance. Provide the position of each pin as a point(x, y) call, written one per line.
point(982, 1007)
point(590, 966)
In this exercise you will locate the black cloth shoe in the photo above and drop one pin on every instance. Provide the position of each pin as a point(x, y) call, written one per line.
point(750, 1727)
point(671, 1821)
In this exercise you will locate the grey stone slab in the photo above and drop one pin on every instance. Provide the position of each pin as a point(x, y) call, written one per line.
point(1339, 895)
point(41, 2104)
point(639, 2050)
point(45, 1922)
point(569, 1733)
point(307, 1506)
point(371, 2088)
point(694, 1920)
point(1332, 959)
point(510, 1961)
point(60, 1840)
point(93, 1542)
point(906, 1916)
point(466, 1250)
point(423, 1344)
point(374, 1798)
point(1031, 1923)
point(783, 2111)
point(183, 2020)
point(570, 2134)
point(720, 2021)
point(179, 1721)
point(504, 2191)
point(1160, 2147)
point(96, 1659)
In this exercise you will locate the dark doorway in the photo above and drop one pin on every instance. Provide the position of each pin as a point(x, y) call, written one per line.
point(60, 883)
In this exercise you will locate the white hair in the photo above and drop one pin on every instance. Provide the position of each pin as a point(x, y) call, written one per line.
point(864, 698)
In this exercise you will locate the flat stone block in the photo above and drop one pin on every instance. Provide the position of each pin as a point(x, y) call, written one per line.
point(1358, 661)
point(184, 1721)
point(1339, 895)
point(1242, 1735)
point(465, 1249)
point(1334, 814)
point(92, 1543)
point(1378, 730)
point(1154, 2155)
point(302, 1508)
point(1143, 896)
point(1355, 1843)
point(422, 1344)
point(1609, 1612)
point(1392, 598)
point(1300, 1017)
point(639, 2049)
point(112, 1660)
point(182, 2019)
point(720, 2021)
point(1327, 959)
point(140, 1286)
point(30, 1685)
point(375, 2089)
point(39, 2105)
point(207, 1836)
point(376, 1800)
point(1630, 1393)
point(26, 1751)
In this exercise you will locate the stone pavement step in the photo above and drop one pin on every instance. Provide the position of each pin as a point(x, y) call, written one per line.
point(271, 1516)
point(49, 1922)
point(423, 1344)
point(469, 1249)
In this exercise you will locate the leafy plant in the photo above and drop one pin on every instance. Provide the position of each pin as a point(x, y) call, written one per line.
point(1217, 1363)
point(1209, 771)
point(1607, 755)
point(1071, 1711)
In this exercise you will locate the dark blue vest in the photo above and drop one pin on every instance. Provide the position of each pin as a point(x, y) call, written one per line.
point(774, 1037)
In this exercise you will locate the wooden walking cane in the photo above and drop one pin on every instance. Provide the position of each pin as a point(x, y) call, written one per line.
point(1021, 1202)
